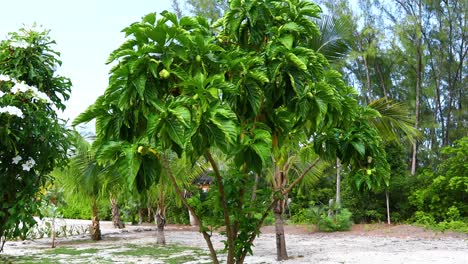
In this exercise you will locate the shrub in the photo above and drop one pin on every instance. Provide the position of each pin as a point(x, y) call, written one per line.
point(339, 222)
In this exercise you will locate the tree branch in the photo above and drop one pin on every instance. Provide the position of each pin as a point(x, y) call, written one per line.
point(206, 236)
point(227, 220)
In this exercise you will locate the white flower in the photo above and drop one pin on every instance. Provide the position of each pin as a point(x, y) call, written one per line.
point(17, 159)
point(20, 87)
point(2, 94)
point(19, 44)
point(42, 96)
point(12, 110)
point(4, 78)
point(29, 164)
point(23, 88)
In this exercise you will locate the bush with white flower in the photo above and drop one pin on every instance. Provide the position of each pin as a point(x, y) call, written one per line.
point(33, 140)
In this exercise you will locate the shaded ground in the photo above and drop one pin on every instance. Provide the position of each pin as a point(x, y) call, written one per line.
point(363, 244)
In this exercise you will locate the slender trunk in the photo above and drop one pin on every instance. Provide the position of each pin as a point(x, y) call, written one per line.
point(115, 211)
point(419, 69)
point(281, 252)
point(223, 202)
point(161, 223)
point(161, 214)
point(53, 231)
point(259, 224)
point(179, 192)
point(278, 210)
point(449, 118)
point(2, 242)
point(140, 216)
point(338, 184)
point(95, 227)
point(388, 206)
point(149, 214)
point(254, 188)
point(331, 202)
point(368, 82)
point(192, 219)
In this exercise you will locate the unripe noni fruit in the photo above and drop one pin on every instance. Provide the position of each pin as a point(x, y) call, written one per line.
point(198, 58)
point(141, 149)
point(164, 74)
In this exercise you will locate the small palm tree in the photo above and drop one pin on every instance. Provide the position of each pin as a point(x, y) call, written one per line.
point(83, 177)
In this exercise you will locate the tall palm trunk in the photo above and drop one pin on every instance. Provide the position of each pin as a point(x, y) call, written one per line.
point(387, 199)
point(161, 223)
point(116, 220)
point(419, 69)
point(95, 228)
point(161, 215)
point(338, 183)
point(53, 232)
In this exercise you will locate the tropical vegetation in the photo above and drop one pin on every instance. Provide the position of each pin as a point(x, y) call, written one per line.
point(291, 112)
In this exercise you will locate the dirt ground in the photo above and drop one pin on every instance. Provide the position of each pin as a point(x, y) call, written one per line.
point(377, 243)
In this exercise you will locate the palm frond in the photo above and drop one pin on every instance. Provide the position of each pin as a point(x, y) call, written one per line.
point(394, 121)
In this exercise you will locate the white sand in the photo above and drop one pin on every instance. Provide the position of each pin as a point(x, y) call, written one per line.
point(307, 248)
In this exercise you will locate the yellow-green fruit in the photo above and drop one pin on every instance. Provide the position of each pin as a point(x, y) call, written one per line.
point(198, 58)
point(309, 94)
point(164, 74)
point(141, 149)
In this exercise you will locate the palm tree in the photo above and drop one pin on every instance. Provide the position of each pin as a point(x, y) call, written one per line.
point(83, 177)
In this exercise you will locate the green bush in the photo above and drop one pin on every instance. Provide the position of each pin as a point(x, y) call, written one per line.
point(75, 208)
point(339, 222)
point(441, 193)
point(423, 218)
point(456, 225)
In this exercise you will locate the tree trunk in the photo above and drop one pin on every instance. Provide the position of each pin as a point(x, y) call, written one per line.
point(280, 183)
point(140, 216)
point(338, 184)
point(95, 228)
point(161, 222)
point(116, 220)
point(149, 214)
point(368, 95)
point(206, 236)
point(388, 207)
point(53, 231)
point(223, 202)
point(281, 252)
point(254, 188)
point(419, 69)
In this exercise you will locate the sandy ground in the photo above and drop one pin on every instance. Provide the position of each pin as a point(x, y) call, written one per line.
point(364, 244)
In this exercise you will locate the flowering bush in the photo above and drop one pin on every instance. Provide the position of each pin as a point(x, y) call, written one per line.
point(33, 140)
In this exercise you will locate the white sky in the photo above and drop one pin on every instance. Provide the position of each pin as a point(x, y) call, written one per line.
point(86, 32)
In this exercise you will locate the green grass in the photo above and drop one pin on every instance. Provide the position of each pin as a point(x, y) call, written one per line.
point(170, 254)
point(71, 251)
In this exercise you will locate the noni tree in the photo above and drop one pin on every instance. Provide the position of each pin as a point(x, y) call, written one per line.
point(248, 86)
point(33, 140)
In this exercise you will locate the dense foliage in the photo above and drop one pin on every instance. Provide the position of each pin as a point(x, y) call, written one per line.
point(33, 141)
point(442, 194)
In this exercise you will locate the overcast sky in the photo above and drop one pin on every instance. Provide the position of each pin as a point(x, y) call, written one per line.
point(86, 32)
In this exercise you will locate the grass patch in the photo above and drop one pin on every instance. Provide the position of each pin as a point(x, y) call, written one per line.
point(71, 251)
point(157, 250)
point(34, 259)
point(129, 253)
